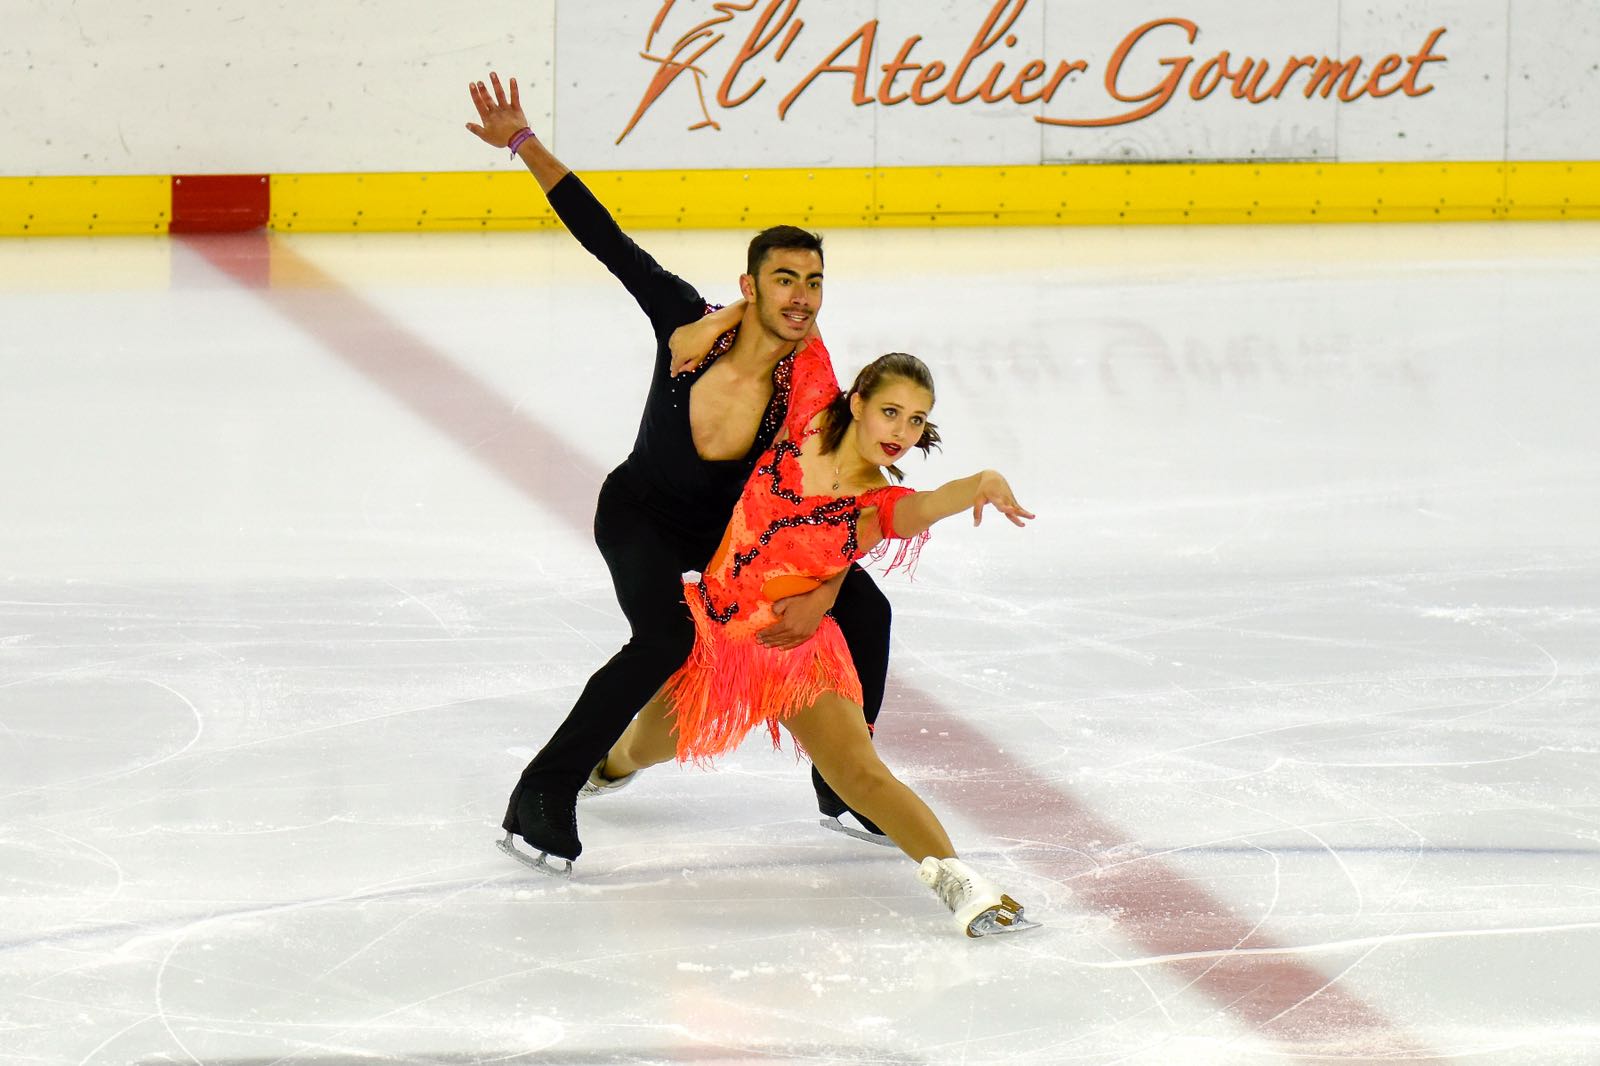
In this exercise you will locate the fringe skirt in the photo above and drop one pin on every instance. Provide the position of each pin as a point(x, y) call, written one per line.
point(732, 683)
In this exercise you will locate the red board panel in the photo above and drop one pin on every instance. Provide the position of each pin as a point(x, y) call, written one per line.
point(220, 203)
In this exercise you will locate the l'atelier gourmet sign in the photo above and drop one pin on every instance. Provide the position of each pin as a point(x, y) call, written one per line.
point(990, 71)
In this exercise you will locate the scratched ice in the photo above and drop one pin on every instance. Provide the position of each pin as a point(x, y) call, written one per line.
point(1281, 717)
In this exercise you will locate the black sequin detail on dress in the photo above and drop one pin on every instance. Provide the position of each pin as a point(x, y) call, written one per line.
point(722, 617)
point(778, 407)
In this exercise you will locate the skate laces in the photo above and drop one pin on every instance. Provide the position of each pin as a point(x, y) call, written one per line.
point(562, 815)
point(951, 887)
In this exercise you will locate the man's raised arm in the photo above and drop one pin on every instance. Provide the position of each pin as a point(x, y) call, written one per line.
point(667, 299)
point(502, 120)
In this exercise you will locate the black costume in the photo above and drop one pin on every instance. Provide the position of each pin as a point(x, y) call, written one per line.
point(660, 513)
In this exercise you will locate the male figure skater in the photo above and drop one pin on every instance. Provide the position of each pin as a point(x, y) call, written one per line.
point(664, 510)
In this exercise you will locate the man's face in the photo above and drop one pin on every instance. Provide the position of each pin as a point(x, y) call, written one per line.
point(786, 292)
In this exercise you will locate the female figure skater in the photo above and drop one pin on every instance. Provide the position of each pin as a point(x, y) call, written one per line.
point(817, 501)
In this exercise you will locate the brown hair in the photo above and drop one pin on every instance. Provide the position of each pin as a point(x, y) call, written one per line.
point(874, 376)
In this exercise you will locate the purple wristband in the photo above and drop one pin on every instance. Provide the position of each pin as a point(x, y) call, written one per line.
point(517, 138)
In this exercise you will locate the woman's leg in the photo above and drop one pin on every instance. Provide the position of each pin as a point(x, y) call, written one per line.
point(834, 733)
point(863, 615)
point(647, 741)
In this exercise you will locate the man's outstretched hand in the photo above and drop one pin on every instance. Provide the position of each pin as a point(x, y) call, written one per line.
point(798, 617)
point(501, 118)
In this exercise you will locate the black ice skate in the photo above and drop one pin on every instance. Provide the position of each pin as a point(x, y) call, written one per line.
point(549, 824)
point(835, 810)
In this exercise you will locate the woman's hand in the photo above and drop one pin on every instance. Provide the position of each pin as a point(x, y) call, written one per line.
point(691, 343)
point(501, 117)
point(994, 491)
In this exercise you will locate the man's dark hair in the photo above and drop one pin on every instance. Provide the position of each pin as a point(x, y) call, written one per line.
point(775, 237)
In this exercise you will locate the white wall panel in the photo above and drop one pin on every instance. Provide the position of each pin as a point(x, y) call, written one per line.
point(253, 86)
point(98, 87)
point(1553, 88)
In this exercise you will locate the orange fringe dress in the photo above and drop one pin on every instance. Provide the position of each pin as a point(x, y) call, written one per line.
point(778, 543)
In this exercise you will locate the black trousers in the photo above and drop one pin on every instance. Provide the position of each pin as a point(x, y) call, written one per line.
point(647, 559)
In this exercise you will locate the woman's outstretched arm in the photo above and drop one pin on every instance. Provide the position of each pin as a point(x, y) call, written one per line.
point(915, 513)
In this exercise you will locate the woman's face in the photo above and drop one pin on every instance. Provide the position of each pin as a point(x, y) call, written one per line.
point(891, 420)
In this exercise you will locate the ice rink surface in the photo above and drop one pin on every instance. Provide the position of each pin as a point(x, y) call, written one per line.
point(1283, 717)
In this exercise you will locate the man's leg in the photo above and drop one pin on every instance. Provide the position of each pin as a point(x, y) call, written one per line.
point(863, 614)
point(645, 569)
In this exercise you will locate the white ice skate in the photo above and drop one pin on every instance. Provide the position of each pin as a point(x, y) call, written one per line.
point(600, 785)
point(542, 863)
point(980, 908)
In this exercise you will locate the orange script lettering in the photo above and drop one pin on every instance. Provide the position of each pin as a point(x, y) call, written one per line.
point(989, 72)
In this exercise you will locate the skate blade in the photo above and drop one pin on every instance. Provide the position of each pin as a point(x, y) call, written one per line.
point(1006, 918)
point(851, 831)
point(591, 789)
point(541, 864)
